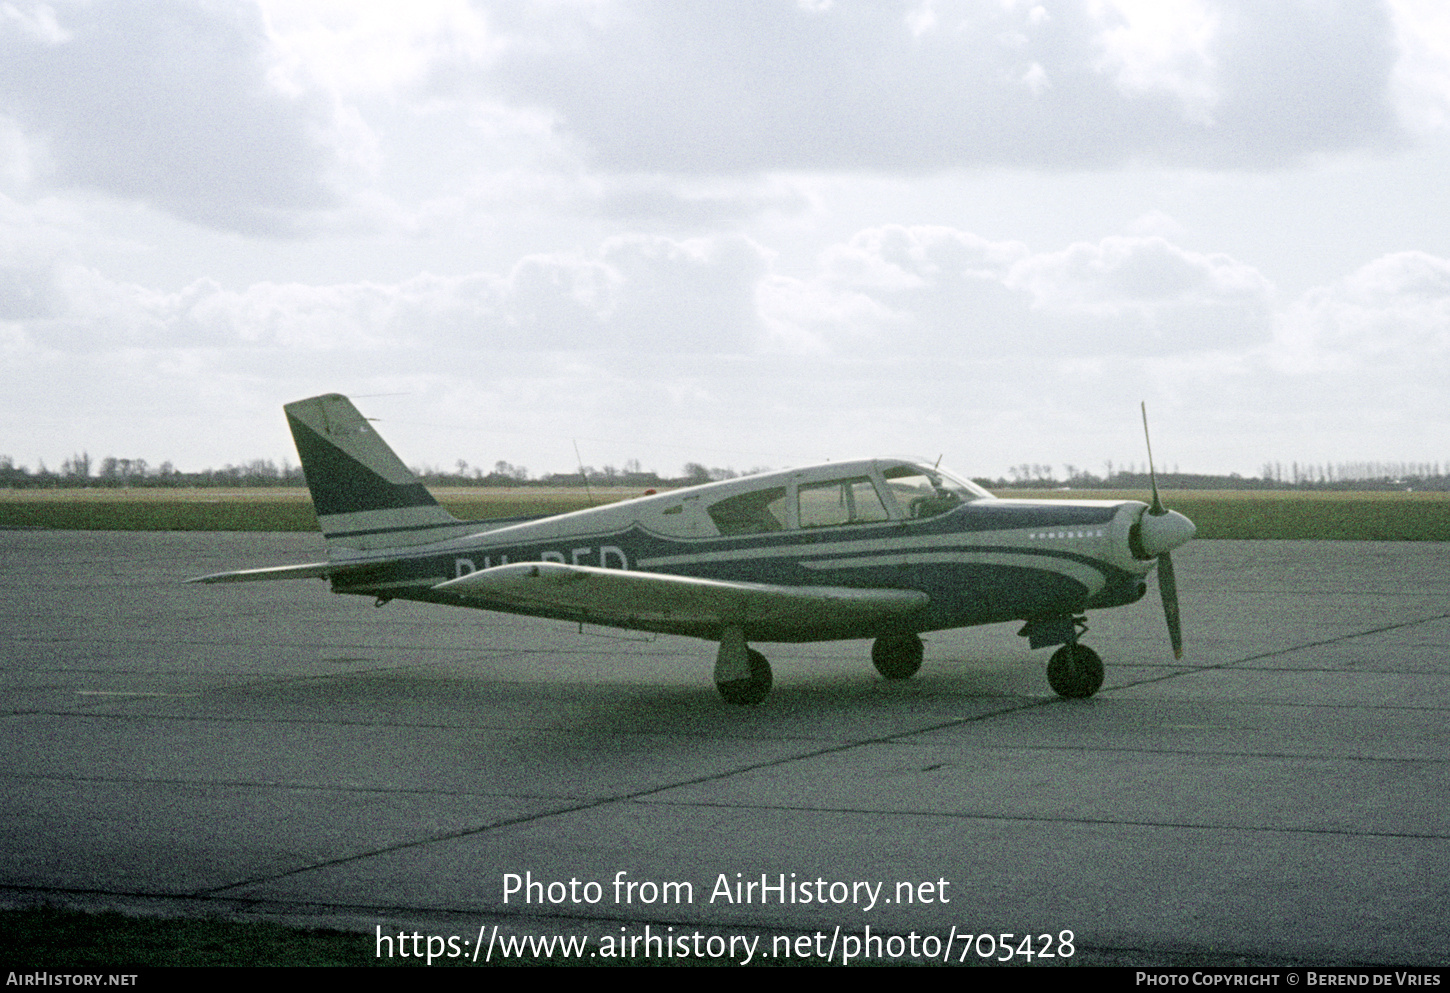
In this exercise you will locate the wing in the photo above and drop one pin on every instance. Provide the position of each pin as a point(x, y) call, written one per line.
point(627, 598)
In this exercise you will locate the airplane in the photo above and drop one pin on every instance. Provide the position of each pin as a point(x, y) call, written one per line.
point(886, 549)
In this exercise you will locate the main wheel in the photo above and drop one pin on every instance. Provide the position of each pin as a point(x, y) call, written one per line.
point(1075, 672)
point(749, 692)
point(897, 656)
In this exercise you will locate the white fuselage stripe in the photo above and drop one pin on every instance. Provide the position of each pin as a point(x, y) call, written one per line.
point(1074, 543)
point(1093, 579)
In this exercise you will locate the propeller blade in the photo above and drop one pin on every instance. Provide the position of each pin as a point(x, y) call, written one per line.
point(1166, 534)
point(1157, 508)
point(1168, 587)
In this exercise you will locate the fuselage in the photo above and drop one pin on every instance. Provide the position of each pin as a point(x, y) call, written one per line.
point(869, 524)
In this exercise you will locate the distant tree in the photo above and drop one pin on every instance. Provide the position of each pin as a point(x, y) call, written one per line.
point(77, 467)
point(10, 475)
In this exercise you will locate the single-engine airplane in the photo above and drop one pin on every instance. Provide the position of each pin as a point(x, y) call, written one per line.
point(878, 548)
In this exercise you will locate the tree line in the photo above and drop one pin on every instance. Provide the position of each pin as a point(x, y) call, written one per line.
point(80, 471)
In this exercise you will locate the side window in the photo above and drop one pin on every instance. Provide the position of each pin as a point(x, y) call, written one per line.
point(840, 501)
point(751, 513)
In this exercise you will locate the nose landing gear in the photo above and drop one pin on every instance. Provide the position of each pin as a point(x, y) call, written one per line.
point(1075, 672)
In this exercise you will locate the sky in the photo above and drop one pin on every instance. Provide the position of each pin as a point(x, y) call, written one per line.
point(752, 233)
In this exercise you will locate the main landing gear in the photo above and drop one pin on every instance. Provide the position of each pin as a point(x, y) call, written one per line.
point(897, 656)
point(742, 675)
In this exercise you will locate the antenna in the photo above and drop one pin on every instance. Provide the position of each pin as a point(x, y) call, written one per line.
point(582, 475)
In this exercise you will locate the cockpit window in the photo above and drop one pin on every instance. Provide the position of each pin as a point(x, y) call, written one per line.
point(755, 512)
point(840, 501)
point(923, 493)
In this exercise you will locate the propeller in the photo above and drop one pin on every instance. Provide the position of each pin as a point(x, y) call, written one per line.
point(1159, 531)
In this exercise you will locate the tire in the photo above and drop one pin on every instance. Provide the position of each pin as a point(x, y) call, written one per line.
point(749, 692)
point(897, 656)
point(1075, 672)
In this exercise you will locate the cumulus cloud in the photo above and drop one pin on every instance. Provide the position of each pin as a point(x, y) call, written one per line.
point(236, 120)
point(657, 85)
point(939, 289)
point(1422, 75)
point(1147, 294)
point(673, 202)
point(913, 293)
point(892, 337)
point(636, 295)
point(1393, 313)
point(1298, 79)
point(171, 103)
point(1164, 46)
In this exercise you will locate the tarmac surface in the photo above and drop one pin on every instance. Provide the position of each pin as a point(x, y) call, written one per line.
point(272, 751)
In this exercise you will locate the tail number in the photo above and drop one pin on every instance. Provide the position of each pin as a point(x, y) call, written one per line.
point(607, 557)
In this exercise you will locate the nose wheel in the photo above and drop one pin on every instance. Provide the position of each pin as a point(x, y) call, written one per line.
point(1075, 672)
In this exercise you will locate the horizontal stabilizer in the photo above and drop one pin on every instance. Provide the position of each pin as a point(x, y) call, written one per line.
point(628, 598)
point(309, 570)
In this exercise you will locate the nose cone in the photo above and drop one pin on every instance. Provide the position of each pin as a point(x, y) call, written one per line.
point(1164, 532)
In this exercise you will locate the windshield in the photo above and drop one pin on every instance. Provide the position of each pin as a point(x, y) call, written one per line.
point(921, 492)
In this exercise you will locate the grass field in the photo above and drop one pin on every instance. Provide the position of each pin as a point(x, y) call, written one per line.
point(279, 509)
point(1288, 514)
point(1218, 513)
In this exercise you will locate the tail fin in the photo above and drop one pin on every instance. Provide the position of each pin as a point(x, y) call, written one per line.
point(365, 497)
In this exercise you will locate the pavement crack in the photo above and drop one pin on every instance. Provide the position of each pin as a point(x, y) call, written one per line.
point(633, 795)
point(1191, 670)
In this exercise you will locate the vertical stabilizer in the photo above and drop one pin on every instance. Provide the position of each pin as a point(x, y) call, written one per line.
point(365, 497)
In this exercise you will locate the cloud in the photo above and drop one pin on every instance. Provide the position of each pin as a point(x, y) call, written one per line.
point(681, 203)
point(903, 334)
point(942, 290)
point(1146, 294)
point(170, 103)
point(690, 88)
point(1162, 46)
point(636, 294)
point(894, 292)
point(1392, 314)
point(1422, 75)
point(1299, 79)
